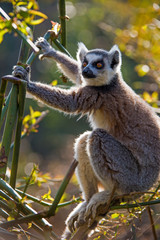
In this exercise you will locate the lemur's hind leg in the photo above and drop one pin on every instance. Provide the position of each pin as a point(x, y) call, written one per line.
point(85, 173)
point(114, 165)
point(87, 180)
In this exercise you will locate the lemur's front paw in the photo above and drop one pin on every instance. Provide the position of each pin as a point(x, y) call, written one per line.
point(76, 217)
point(20, 72)
point(45, 47)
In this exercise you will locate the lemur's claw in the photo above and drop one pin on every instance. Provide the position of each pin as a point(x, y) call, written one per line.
point(20, 72)
point(45, 47)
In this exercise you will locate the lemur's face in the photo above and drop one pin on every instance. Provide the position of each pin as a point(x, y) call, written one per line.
point(94, 66)
point(98, 66)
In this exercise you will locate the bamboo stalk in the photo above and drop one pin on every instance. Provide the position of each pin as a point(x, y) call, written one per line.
point(15, 158)
point(24, 52)
point(61, 47)
point(62, 11)
point(152, 223)
point(23, 207)
point(24, 219)
point(8, 130)
point(2, 95)
point(3, 213)
point(4, 109)
point(23, 55)
point(62, 188)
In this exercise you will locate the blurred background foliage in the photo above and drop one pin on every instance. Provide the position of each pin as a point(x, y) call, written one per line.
point(132, 24)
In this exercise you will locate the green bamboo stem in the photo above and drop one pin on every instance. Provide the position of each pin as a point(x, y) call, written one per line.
point(61, 47)
point(8, 130)
point(62, 188)
point(33, 217)
point(44, 203)
point(2, 95)
point(21, 100)
point(23, 207)
point(23, 55)
point(152, 223)
point(4, 195)
point(28, 182)
point(3, 213)
point(4, 206)
point(4, 109)
point(62, 11)
point(25, 219)
point(134, 205)
point(24, 52)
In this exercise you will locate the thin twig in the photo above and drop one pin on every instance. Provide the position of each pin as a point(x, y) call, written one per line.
point(152, 223)
point(44, 203)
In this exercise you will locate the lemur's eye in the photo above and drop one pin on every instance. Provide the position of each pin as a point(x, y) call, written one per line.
point(99, 65)
point(84, 64)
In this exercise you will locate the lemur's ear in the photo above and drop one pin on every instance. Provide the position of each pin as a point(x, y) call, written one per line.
point(82, 50)
point(115, 58)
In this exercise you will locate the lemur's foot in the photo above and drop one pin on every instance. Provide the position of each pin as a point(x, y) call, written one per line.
point(46, 48)
point(20, 72)
point(97, 204)
point(76, 217)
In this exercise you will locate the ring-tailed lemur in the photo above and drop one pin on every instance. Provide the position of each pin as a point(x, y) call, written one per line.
point(123, 149)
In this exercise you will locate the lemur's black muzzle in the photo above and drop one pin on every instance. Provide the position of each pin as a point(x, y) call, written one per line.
point(87, 73)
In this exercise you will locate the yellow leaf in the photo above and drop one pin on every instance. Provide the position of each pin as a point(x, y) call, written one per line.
point(54, 82)
point(26, 119)
point(36, 22)
point(115, 215)
point(36, 114)
point(30, 4)
point(155, 96)
point(40, 14)
point(29, 225)
point(147, 97)
point(21, 3)
point(2, 32)
point(10, 218)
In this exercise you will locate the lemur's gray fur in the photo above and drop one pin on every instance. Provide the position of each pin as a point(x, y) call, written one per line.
point(123, 149)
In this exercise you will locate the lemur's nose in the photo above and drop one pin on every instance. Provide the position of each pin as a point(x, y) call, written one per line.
point(87, 73)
